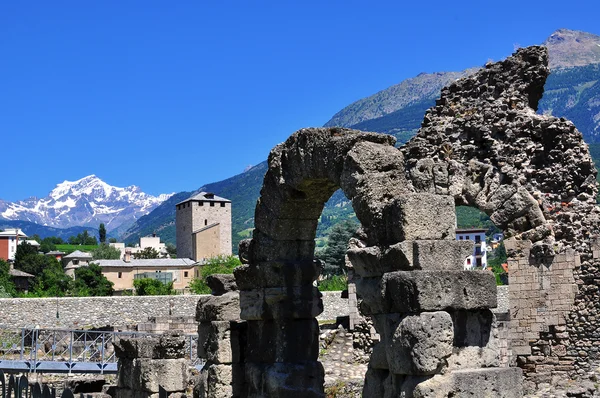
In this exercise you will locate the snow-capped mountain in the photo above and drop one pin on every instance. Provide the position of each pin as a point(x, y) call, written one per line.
point(85, 202)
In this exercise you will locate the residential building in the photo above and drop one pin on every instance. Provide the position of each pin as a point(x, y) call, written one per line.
point(75, 260)
point(9, 240)
point(123, 272)
point(479, 257)
point(145, 242)
point(58, 255)
point(203, 224)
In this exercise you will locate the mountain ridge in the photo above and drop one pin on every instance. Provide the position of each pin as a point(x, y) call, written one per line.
point(86, 202)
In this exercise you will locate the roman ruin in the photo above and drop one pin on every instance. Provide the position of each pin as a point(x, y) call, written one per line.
point(482, 145)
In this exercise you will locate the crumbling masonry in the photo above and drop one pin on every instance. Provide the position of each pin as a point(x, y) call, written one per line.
point(482, 145)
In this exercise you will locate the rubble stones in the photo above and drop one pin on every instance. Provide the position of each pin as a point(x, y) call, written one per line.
point(218, 308)
point(221, 284)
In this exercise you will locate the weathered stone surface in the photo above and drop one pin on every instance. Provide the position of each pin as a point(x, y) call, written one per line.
point(220, 381)
point(218, 308)
point(429, 255)
point(221, 283)
point(166, 346)
point(366, 261)
point(290, 380)
point(264, 248)
point(488, 382)
point(219, 341)
point(147, 375)
point(277, 273)
point(379, 357)
point(422, 217)
point(281, 303)
point(418, 344)
point(475, 340)
point(282, 341)
point(416, 291)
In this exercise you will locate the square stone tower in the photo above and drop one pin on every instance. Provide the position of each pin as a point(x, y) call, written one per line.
point(203, 224)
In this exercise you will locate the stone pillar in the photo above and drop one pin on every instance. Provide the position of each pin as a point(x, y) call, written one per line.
point(438, 336)
point(221, 336)
point(280, 304)
point(147, 363)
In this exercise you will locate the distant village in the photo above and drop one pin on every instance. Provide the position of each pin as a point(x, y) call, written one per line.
point(203, 224)
point(203, 231)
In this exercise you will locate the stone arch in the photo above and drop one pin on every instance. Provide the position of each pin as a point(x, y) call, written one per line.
point(277, 296)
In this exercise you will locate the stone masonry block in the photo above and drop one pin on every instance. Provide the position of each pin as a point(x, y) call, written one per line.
point(294, 340)
point(167, 346)
point(264, 248)
point(289, 380)
point(418, 344)
point(277, 273)
point(218, 308)
point(429, 255)
point(219, 341)
point(300, 302)
point(422, 216)
point(417, 291)
point(476, 343)
point(223, 381)
point(149, 374)
point(488, 382)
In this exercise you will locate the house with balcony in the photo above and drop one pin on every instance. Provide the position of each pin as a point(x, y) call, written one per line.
point(478, 260)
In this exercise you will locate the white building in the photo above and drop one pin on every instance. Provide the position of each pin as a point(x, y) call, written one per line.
point(145, 242)
point(9, 239)
point(479, 257)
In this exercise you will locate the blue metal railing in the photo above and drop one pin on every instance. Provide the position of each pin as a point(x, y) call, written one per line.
point(67, 351)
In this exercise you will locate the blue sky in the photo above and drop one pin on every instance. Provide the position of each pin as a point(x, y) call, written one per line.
point(173, 95)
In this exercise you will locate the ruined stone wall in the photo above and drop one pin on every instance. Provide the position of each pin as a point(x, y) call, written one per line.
point(118, 311)
point(484, 144)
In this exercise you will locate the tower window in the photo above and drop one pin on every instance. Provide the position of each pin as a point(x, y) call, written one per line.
point(205, 222)
point(222, 204)
point(200, 203)
point(212, 204)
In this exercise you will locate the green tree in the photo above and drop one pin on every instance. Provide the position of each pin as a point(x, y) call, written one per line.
point(83, 238)
point(89, 281)
point(337, 245)
point(106, 252)
point(171, 249)
point(148, 252)
point(28, 260)
point(7, 287)
point(152, 287)
point(112, 240)
point(52, 282)
point(102, 233)
point(47, 246)
point(214, 265)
